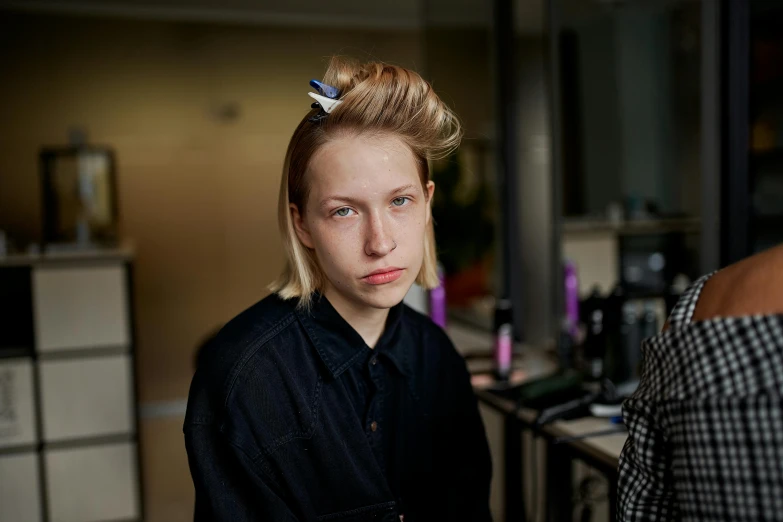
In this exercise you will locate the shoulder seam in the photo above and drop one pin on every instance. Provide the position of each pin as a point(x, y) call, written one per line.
point(259, 343)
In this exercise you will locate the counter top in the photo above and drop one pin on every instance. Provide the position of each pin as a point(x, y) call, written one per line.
point(604, 448)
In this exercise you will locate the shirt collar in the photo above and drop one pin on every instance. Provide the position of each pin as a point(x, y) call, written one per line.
point(339, 345)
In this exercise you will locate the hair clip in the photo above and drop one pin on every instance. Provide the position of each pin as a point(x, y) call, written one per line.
point(326, 99)
point(324, 89)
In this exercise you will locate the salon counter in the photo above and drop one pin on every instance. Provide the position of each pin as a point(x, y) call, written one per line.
point(531, 461)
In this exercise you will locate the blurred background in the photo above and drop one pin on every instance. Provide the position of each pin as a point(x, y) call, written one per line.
point(614, 150)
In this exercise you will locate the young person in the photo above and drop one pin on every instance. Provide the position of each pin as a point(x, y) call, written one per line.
point(330, 399)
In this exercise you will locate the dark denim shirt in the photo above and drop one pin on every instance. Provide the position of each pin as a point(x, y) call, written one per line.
point(291, 416)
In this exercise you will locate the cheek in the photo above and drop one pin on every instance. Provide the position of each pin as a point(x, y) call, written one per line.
point(336, 244)
point(410, 226)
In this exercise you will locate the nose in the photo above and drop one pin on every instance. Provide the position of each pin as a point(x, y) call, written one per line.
point(379, 242)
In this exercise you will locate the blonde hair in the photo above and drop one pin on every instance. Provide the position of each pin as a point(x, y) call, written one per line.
point(378, 99)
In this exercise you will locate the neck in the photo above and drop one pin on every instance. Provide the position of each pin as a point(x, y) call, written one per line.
point(368, 322)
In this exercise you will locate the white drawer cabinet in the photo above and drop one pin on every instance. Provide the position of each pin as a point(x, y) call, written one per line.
point(80, 307)
point(68, 438)
point(86, 397)
point(17, 403)
point(92, 484)
point(20, 490)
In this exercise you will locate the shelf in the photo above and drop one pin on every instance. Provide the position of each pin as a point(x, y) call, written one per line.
point(64, 354)
point(69, 253)
point(85, 442)
point(16, 449)
point(15, 353)
point(85, 353)
point(633, 227)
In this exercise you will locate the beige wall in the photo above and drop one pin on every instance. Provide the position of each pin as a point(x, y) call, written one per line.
point(197, 193)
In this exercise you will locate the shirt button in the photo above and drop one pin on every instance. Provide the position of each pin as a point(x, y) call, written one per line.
point(374, 426)
point(374, 361)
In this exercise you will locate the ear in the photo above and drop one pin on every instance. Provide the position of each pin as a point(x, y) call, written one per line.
point(300, 227)
point(430, 192)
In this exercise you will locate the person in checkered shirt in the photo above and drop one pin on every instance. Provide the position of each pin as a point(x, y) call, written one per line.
point(706, 423)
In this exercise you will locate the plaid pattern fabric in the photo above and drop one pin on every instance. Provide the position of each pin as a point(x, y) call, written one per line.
point(706, 423)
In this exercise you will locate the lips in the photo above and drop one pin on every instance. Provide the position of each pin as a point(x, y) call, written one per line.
point(383, 276)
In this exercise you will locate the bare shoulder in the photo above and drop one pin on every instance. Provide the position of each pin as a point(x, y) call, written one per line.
point(751, 286)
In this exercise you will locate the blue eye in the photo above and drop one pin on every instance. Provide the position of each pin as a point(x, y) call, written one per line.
point(398, 202)
point(343, 212)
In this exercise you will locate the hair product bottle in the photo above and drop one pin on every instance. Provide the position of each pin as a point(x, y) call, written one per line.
point(438, 301)
point(504, 338)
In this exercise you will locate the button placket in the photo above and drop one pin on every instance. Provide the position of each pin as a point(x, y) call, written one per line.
point(377, 397)
point(375, 410)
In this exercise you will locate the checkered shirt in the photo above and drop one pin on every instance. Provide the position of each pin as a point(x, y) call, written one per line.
point(706, 423)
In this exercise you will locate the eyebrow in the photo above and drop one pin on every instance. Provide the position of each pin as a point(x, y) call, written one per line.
point(326, 201)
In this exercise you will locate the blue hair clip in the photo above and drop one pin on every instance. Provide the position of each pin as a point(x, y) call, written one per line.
point(325, 90)
point(326, 99)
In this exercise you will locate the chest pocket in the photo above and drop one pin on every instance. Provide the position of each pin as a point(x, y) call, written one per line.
point(385, 512)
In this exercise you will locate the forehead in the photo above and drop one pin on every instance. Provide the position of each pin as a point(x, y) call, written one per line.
point(354, 163)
